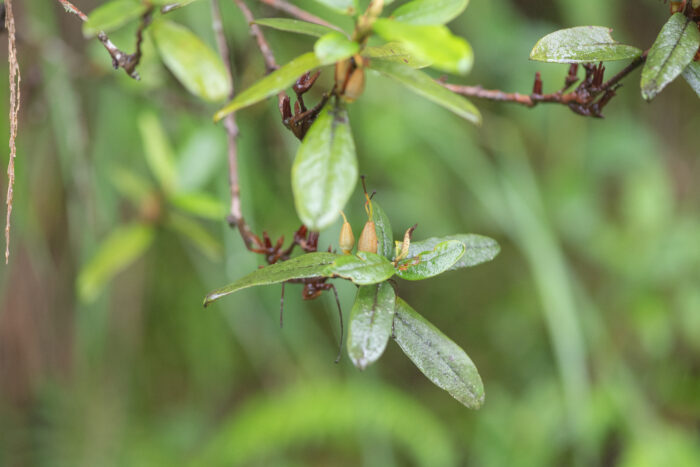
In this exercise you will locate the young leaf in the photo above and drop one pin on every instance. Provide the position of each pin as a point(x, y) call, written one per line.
point(362, 268)
point(431, 262)
point(334, 47)
point(294, 25)
point(345, 7)
point(306, 265)
point(429, 12)
point(478, 249)
point(198, 68)
point(424, 85)
point(435, 44)
point(581, 44)
point(271, 84)
point(121, 248)
point(371, 321)
point(671, 53)
point(440, 359)
point(112, 15)
point(382, 226)
point(394, 52)
point(324, 172)
point(200, 204)
point(159, 154)
point(692, 76)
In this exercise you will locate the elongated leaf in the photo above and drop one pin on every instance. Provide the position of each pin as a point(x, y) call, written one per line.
point(334, 47)
point(429, 12)
point(196, 235)
point(371, 320)
point(431, 262)
point(112, 15)
point(692, 76)
point(294, 25)
point(200, 204)
point(306, 265)
point(271, 84)
point(671, 53)
point(130, 185)
point(324, 172)
point(158, 152)
point(581, 44)
point(478, 249)
point(440, 359)
point(382, 226)
point(424, 85)
point(362, 268)
point(174, 4)
point(435, 44)
point(198, 68)
point(394, 52)
point(346, 7)
point(121, 248)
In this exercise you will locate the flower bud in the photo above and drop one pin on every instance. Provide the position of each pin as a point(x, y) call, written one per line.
point(347, 239)
point(355, 85)
point(368, 239)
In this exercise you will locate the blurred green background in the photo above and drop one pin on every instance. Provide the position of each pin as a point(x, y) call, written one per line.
point(585, 329)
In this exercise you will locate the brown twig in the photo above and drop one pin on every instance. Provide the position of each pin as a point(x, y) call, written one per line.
point(256, 32)
point(15, 79)
point(298, 13)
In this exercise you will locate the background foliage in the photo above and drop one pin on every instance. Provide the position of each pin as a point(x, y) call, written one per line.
point(585, 329)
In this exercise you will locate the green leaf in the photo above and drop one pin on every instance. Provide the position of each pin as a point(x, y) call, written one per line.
point(692, 76)
point(324, 172)
point(334, 47)
point(200, 204)
point(671, 53)
point(385, 236)
point(304, 266)
point(394, 52)
point(198, 68)
point(429, 12)
point(424, 85)
point(371, 320)
point(431, 262)
point(196, 234)
point(130, 185)
point(112, 15)
point(478, 249)
point(346, 7)
point(158, 152)
point(173, 3)
point(294, 25)
point(277, 81)
point(581, 44)
point(362, 268)
point(121, 248)
point(435, 44)
point(440, 359)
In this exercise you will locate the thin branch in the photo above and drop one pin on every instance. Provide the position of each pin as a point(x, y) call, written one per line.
point(256, 32)
point(298, 13)
point(15, 79)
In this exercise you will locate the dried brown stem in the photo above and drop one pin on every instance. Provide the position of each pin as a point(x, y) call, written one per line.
point(256, 32)
point(15, 79)
point(298, 13)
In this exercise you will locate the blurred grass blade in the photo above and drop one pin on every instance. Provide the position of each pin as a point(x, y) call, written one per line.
point(424, 85)
point(158, 152)
point(362, 268)
point(671, 53)
point(294, 25)
point(306, 265)
point(130, 185)
point(200, 204)
point(370, 324)
point(112, 15)
point(196, 234)
point(429, 12)
point(478, 249)
point(440, 359)
point(435, 44)
point(121, 248)
point(277, 81)
point(334, 46)
point(382, 226)
point(345, 7)
point(198, 68)
point(692, 76)
point(200, 158)
point(324, 172)
point(394, 52)
point(580, 45)
point(429, 263)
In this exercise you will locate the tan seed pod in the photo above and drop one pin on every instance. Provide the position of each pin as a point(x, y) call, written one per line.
point(355, 85)
point(368, 238)
point(342, 69)
point(347, 239)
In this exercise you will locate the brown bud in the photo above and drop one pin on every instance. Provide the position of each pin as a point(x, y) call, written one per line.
point(677, 7)
point(341, 74)
point(368, 238)
point(347, 239)
point(355, 85)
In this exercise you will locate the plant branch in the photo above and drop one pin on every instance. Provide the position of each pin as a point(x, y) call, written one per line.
point(256, 32)
point(15, 79)
point(298, 13)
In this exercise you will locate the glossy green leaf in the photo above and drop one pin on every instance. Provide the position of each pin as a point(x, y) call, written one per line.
point(362, 268)
point(198, 68)
point(429, 12)
point(346, 7)
point(334, 47)
point(435, 44)
point(382, 226)
point(692, 76)
point(431, 262)
point(196, 235)
point(173, 4)
point(306, 265)
point(271, 84)
point(440, 359)
point(200, 204)
point(581, 44)
point(112, 15)
point(158, 152)
point(121, 248)
point(478, 249)
point(324, 172)
point(394, 52)
point(424, 85)
point(294, 25)
point(371, 320)
point(671, 53)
